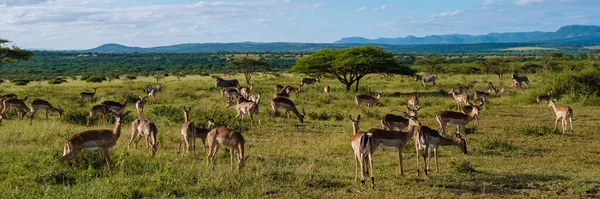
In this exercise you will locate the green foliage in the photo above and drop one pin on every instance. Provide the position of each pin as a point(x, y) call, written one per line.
point(431, 64)
point(21, 82)
point(250, 66)
point(58, 80)
point(10, 54)
point(578, 85)
point(75, 117)
point(131, 77)
point(95, 79)
point(463, 167)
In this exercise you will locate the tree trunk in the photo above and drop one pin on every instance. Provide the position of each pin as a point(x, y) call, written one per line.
point(357, 80)
point(348, 85)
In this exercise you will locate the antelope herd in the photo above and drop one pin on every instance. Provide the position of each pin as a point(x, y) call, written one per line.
point(391, 135)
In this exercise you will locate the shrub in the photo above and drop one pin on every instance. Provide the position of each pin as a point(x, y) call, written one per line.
point(58, 80)
point(578, 85)
point(95, 79)
point(21, 82)
point(79, 117)
point(130, 77)
point(462, 167)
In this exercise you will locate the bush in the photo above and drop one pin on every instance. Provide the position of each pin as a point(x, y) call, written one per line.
point(58, 80)
point(21, 82)
point(463, 167)
point(130, 77)
point(79, 118)
point(95, 79)
point(578, 85)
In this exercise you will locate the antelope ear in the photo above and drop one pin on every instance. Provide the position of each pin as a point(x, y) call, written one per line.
point(350, 117)
point(358, 117)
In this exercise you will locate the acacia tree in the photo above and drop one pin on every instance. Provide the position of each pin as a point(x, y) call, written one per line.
point(431, 64)
point(250, 66)
point(10, 54)
point(350, 65)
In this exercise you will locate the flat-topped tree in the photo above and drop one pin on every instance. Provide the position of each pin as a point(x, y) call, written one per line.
point(10, 54)
point(432, 64)
point(250, 66)
point(350, 65)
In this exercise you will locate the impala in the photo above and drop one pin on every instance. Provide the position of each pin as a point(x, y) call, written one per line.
point(445, 118)
point(245, 108)
point(392, 122)
point(44, 105)
point(139, 106)
point(428, 139)
point(359, 145)
point(152, 95)
point(245, 91)
point(202, 132)
point(255, 99)
point(367, 99)
point(564, 112)
point(413, 100)
point(230, 93)
point(470, 107)
point(389, 140)
point(291, 89)
point(288, 105)
point(544, 98)
point(144, 127)
point(116, 106)
point(481, 96)
point(17, 104)
point(94, 139)
point(104, 110)
point(87, 95)
point(327, 90)
point(309, 81)
point(188, 134)
point(459, 98)
point(228, 138)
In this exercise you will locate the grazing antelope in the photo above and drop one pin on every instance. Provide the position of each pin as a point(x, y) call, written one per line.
point(245, 91)
point(220, 82)
point(144, 127)
point(94, 139)
point(360, 146)
point(426, 79)
point(428, 139)
point(544, 98)
point(520, 79)
point(44, 105)
point(413, 101)
point(116, 106)
point(309, 81)
point(515, 84)
point(188, 134)
point(481, 96)
point(327, 90)
point(367, 99)
point(288, 105)
point(395, 122)
point(228, 138)
point(152, 95)
point(390, 140)
point(87, 95)
point(459, 98)
point(17, 104)
point(564, 112)
point(291, 89)
point(139, 106)
point(104, 110)
point(245, 108)
point(445, 118)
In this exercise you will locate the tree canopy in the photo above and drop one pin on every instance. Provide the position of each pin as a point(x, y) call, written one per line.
point(432, 63)
point(10, 54)
point(350, 65)
point(250, 66)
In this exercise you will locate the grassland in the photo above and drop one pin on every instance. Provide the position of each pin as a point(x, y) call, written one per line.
point(528, 49)
point(513, 153)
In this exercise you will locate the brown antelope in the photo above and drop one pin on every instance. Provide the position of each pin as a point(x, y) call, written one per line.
point(152, 96)
point(245, 108)
point(359, 145)
point(564, 112)
point(188, 134)
point(44, 105)
point(367, 99)
point(230, 93)
point(139, 106)
point(291, 89)
point(544, 98)
point(428, 139)
point(144, 127)
point(481, 96)
point(445, 118)
point(413, 101)
point(255, 99)
point(94, 139)
point(327, 90)
point(288, 105)
point(104, 110)
point(245, 91)
point(116, 106)
point(278, 88)
point(469, 108)
point(228, 138)
point(17, 104)
point(395, 122)
point(203, 132)
point(389, 140)
point(87, 95)
point(459, 98)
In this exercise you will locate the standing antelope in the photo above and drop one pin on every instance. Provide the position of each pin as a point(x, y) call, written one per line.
point(116, 106)
point(544, 98)
point(564, 112)
point(520, 79)
point(413, 100)
point(481, 96)
point(230, 93)
point(44, 105)
point(389, 140)
point(426, 79)
point(445, 118)
point(144, 127)
point(17, 104)
point(360, 145)
point(327, 90)
point(459, 98)
point(245, 91)
point(228, 138)
point(469, 108)
point(203, 132)
point(395, 122)
point(255, 99)
point(367, 99)
point(291, 89)
point(87, 95)
point(245, 108)
point(309, 81)
point(94, 139)
point(288, 105)
point(139, 106)
point(428, 139)
point(104, 110)
point(278, 88)
point(152, 95)
point(188, 134)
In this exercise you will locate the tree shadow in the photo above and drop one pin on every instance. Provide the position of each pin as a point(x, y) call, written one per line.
point(503, 184)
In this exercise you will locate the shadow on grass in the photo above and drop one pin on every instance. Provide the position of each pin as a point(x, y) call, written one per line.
point(502, 184)
point(439, 93)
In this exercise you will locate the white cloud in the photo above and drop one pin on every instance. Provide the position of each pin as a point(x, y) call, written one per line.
point(286, 1)
point(383, 7)
point(318, 5)
point(448, 14)
point(527, 2)
point(488, 2)
point(361, 9)
point(174, 30)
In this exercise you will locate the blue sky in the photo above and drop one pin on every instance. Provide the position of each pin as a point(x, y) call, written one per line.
point(83, 24)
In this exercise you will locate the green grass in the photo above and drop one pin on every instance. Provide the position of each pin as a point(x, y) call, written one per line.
point(513, 153)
